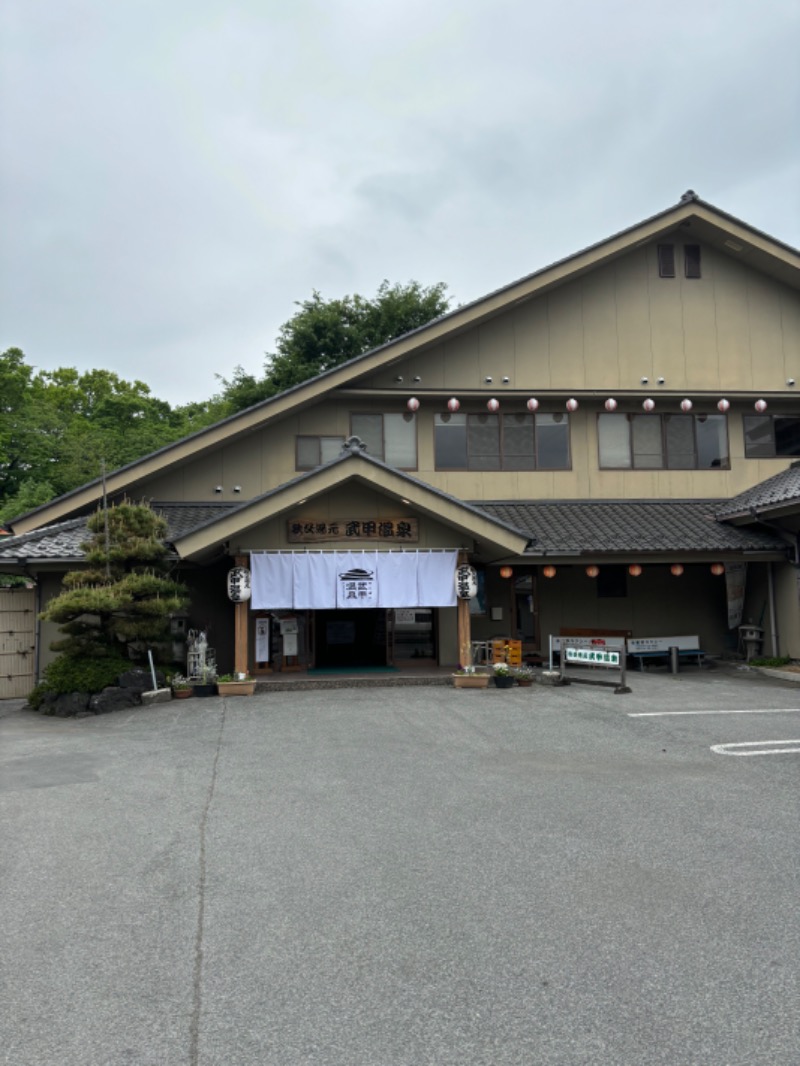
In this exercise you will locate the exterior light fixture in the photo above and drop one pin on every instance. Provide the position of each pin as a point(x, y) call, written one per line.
point(592, 571)
point(237, 488)
point(549, 571)
point(635, 570)
point(218, 488)
point(661, 381)
point(717, 569)
point(413, 404)
point(417, 379)
point(676, 569)
point(506, 571)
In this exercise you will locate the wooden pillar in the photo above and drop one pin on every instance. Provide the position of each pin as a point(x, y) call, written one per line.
point(240, 619)
point(464, 623)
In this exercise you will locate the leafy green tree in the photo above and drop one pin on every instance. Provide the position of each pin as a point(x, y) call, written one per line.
point(323, 334)
point(123, 598)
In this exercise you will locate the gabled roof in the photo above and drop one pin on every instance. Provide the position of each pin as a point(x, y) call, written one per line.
point(776, 493)
point(594, 527)
point(354, 464)
point(706, 222)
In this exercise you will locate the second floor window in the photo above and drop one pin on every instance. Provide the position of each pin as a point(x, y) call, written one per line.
point(502, 442)
point(390, 437)
point(771, 436)
point(663, 442)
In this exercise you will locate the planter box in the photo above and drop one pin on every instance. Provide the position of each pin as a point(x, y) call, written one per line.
point(236, 688)
point(470, 680)
point(503, 681)
point(204, 690)
point(182, 693)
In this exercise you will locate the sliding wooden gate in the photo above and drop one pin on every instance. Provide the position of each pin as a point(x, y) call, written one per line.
point(17, 642)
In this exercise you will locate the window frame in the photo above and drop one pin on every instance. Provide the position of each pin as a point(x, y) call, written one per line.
point(407, 416)
point(662, 421)
point(502, 468)
point(771, 418)
point(318, 437)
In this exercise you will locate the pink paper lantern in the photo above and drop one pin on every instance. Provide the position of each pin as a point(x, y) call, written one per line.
point(493, 405)
point(610, 404)
point(572, 405)
point(549, 571)
point(717, 569)
point(635, 570)
point(761, 406)
point(676, 569)
point(453, 405)
point(686, 406)
point(649, 405)
point(413, 404)
point(592, 571)
point(724, 405)
point(532, 405)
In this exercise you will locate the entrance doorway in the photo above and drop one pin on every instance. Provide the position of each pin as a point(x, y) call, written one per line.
point(350, 638)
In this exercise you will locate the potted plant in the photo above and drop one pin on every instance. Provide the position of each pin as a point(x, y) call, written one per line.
point(235, 685)
point(205, 683)
point(523, 675)
point(181, 689)
point(502, 676)
point(469, 677)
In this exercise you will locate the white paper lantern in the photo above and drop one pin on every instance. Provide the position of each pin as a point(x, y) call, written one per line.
point(572, 405)
point(532, 404)
point(453, 405)
point(686, 406)
point(239, 590)
point(466, 582)
point(649, 405)
point(493, 405)
point(724, 405)
point(413, 404)
point(761, 406)
point(610, 404)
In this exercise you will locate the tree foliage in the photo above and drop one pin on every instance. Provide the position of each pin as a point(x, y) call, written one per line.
point(123, 598)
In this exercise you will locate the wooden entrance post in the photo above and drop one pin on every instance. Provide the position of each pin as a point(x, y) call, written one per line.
point(464, 622)
point(240, 616)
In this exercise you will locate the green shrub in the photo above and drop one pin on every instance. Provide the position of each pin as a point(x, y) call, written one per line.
point(783, 660)
point(67, 674)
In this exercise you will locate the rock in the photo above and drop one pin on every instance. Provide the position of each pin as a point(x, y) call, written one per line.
point(140, 679)
point(68, 704)
point(114, 699)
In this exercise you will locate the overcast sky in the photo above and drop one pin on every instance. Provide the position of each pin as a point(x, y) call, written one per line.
point(176, 173)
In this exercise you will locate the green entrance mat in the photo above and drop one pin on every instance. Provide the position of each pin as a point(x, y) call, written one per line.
point(352, 670)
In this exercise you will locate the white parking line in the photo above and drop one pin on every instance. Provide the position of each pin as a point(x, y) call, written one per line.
point(668, 714)
point(763, 747)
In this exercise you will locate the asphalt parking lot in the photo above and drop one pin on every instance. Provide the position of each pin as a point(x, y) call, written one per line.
point(403, 877)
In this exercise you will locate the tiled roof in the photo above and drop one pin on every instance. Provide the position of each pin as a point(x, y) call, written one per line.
point(593, 526)
point(63, 540)
point(781, 489)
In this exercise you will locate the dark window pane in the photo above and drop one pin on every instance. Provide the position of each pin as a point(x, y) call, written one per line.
point(666, 260)
point(647, 446)
point(450, 442)
point(692, 260)
point(680, 442)
point(758, 440)
point(370, 429)
point(308, 457)
point(517, 435)
point(552, 442)
point(614, 441)
point(787, 435)
point(712, 442)
point(483, 442)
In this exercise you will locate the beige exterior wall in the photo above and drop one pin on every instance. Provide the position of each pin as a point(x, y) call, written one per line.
point(787, 609)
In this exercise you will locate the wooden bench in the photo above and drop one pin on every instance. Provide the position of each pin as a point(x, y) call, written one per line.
point(647, 649)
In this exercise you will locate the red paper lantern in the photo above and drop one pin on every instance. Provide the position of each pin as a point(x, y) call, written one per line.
point(676, 569)
point(532, 404)
point(717, 569)
point(724, 405)
point(635, 570)
point(506, 571)
point(453, 405)
point(761, 406)
point(610, 404)
point(686, 406)
point(493, 405)
point(549, 571)
point(572, 405)
point(592, 571)
point(413, 404)
point(649, 405)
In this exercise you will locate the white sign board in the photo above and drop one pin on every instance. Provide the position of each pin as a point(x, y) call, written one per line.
point(641, 644)
point(262, 640)
point(593, 656)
